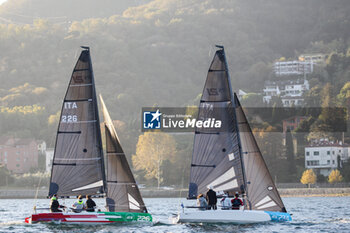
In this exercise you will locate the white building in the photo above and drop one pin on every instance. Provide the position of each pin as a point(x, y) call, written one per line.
point(316, 59)
point(290, 91)
point(293, 67)
point(49, 158)
point(241, 94)
point(324, 156)
point(41, 146)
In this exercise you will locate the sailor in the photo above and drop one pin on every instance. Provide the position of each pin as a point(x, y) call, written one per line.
point(225, 202)
point(89, 204)
point(211, 198)
point(54, 205)
point(201, 202)
point(236, 202)
point(78, 205)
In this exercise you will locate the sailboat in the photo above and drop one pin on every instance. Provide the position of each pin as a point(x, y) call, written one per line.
point(229, 160)
point(78, 166)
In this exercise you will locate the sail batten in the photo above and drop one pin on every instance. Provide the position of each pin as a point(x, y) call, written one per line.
point(78, 158)
point(123, 194)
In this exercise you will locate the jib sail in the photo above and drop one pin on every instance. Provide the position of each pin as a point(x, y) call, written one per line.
point(123, 194)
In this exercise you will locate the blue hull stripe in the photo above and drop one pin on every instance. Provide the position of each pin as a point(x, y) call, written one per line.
point(279, 216)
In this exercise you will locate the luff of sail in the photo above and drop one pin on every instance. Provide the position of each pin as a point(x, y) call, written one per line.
point(263, 194)
point(123, 194)
point(216, 159)
point(78, 167)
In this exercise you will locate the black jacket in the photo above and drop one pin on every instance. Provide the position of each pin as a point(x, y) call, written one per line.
point(211, 197)
point(90, 204)
point(55, 205)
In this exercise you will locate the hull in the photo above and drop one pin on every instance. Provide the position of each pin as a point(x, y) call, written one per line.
point(93, 217)
point(231, 216)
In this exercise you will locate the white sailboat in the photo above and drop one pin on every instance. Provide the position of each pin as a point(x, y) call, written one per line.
point(229, 159)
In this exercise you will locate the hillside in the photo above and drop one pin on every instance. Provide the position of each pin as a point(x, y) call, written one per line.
point(155, 53)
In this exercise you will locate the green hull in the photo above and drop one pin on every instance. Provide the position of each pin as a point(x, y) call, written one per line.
point(127, 216)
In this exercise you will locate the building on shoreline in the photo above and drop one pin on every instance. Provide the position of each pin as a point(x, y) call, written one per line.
point(18, 155)
point(323, 156)
point(49, 158)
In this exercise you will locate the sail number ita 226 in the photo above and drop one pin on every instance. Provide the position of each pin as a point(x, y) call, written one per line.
point(69, 118)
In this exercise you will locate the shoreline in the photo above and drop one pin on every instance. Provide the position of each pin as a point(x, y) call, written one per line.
point(13, 193)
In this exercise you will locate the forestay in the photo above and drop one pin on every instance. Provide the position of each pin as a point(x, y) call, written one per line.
point(123, 194)
point(78, 167)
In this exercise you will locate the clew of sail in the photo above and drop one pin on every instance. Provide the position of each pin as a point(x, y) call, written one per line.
point(123, 194)
point(216, 158)
point(263, 194)
point(78, 167)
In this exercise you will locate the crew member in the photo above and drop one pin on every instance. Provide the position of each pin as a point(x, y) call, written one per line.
point(78, 206)
point(201, 202)
point(54, 205)
point(211, 198)
point(89, 204)
point(236, 202)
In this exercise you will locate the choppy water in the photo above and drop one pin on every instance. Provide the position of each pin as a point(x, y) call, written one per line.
point(310, 214)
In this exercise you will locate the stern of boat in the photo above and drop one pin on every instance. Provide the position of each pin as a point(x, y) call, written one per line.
point(28, 220)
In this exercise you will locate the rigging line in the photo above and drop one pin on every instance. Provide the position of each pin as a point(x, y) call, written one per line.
point(37, 191)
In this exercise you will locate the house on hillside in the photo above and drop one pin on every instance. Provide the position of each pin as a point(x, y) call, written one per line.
point(290, 91)
point(292, 123)
point(316, 58)
point(18, 155)
point(295, 67)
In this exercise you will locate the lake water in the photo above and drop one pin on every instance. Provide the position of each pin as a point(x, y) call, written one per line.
point(310, 214)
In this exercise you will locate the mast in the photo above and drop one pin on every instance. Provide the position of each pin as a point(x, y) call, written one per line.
point(236, 122)
point(97, 117)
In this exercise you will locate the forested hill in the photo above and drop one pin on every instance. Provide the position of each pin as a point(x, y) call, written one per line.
point(156, 53)
point(62, 11)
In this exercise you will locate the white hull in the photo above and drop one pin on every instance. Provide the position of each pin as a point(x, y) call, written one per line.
point(230, 216)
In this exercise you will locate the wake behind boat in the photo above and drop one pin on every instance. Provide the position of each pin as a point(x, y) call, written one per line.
point(229, 160)
point(78, 166)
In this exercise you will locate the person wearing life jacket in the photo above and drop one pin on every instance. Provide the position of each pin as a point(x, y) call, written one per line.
point(202, 202)
point(78, 205)
point(54, 205)
point(225, 202)
point(236, 202)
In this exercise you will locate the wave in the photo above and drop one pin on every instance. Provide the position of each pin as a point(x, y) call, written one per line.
point(9, 223)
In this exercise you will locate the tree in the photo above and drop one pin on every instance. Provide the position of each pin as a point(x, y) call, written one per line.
point(308, 177)
point(290, 155)
point(335, 177)
point(152, 150)
point(5, 176)
point(345, 170)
